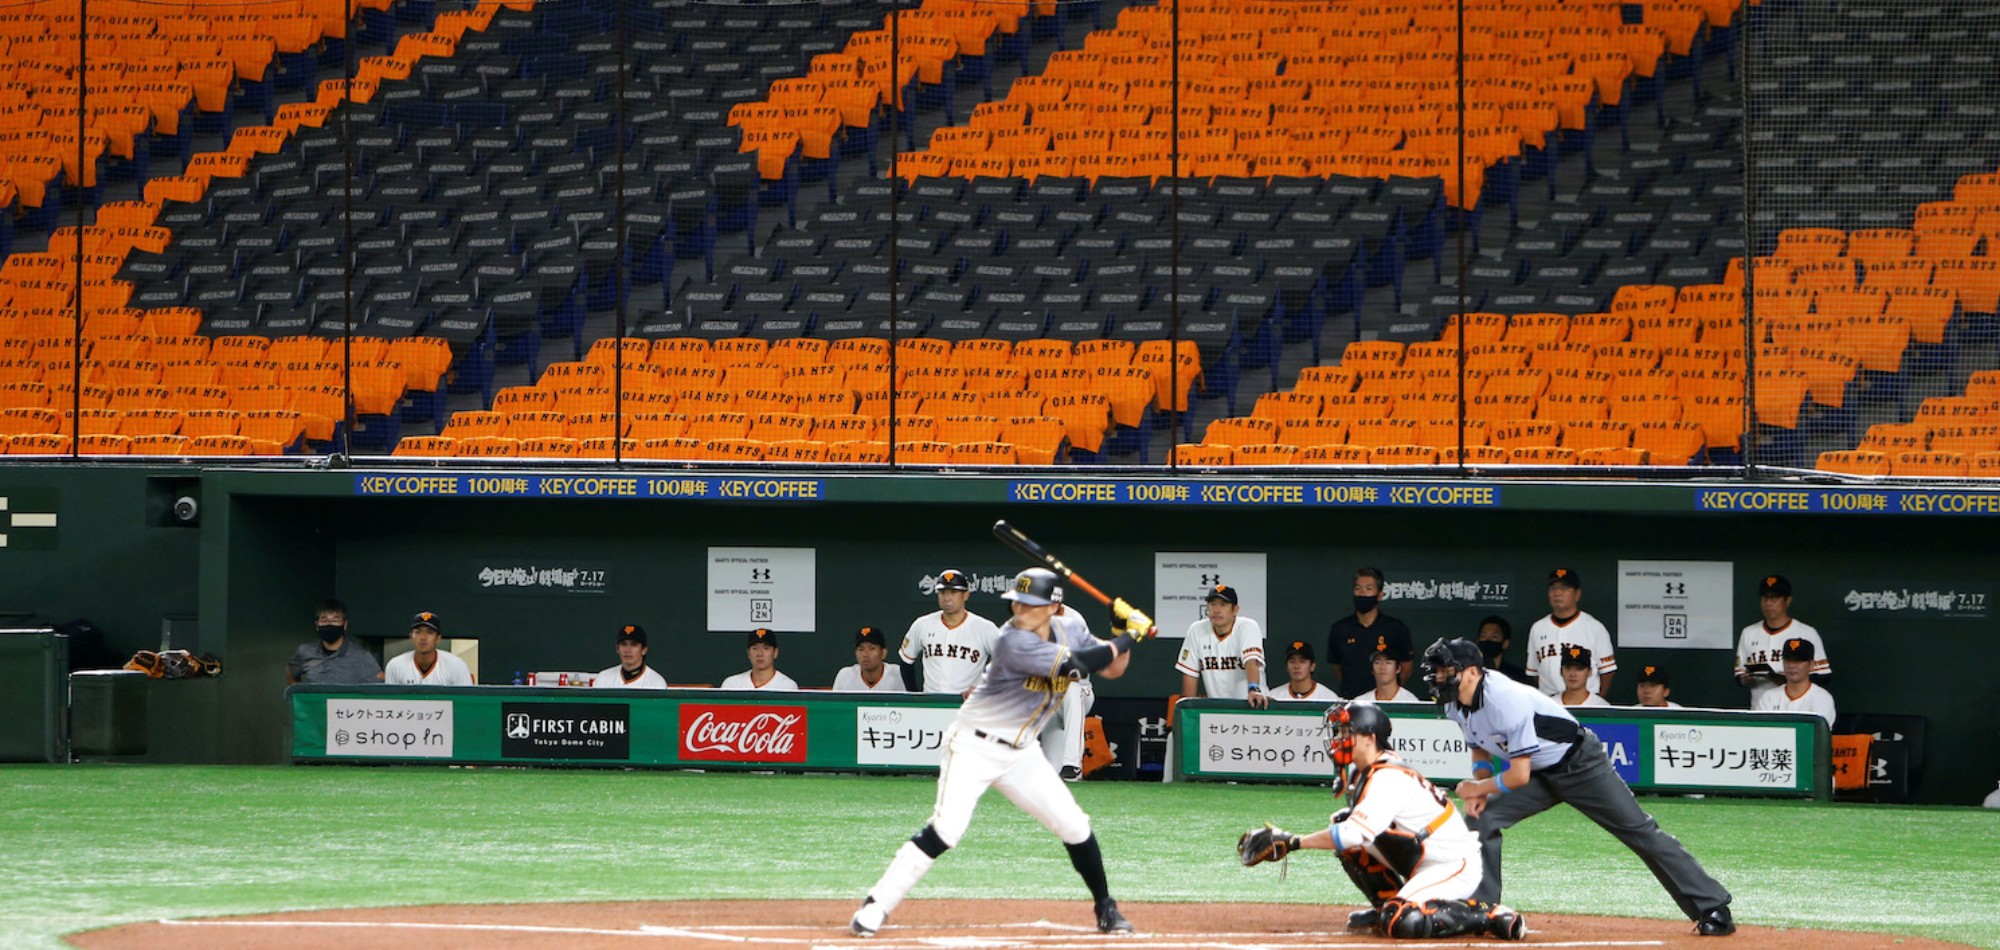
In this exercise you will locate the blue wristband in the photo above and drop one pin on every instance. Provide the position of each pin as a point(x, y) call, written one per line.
point(1482, 769)
point(1499, 788)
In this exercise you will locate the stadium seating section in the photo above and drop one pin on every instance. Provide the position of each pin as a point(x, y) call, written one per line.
point(968, 233)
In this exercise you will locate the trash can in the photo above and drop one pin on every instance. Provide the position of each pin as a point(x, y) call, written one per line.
point(34, 666)
point(108, 710)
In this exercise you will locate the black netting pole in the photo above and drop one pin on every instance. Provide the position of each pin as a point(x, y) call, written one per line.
point(1748, 462)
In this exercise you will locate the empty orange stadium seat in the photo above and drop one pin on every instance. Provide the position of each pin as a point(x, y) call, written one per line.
point(225, 445)
point(673, 448)
point(1472, 455)
point(1596, 434)
point(1241, 431)
point(102, 443)
point(1612, 456)
point(1403, 455)
point(485, 447)
point(1928, 464)
point(1984, 465)
point(921, 452)
point(1540, 455)
point(1203, 455)
point(1335, 455)
point(795, 451)
point(1853, 462)
point(38, 443)
point(1516, 433)
point(858, 452)
point(434, 446)
point(1669, 443)
point(1266, 453)
point(983, 453)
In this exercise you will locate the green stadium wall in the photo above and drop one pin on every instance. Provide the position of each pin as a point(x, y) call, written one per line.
point(269, 545)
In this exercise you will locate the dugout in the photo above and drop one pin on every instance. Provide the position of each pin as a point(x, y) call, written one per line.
point(267, 545)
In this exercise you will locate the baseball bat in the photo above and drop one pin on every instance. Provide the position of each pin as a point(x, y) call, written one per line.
point(1013, 538)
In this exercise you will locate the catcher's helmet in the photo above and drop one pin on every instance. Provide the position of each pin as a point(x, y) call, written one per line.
point(1344, 721)
point(1035, 587)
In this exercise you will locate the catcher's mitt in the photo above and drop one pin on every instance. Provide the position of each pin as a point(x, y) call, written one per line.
point(1269, 843)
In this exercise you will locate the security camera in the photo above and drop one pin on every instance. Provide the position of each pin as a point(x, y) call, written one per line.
point(186, 509)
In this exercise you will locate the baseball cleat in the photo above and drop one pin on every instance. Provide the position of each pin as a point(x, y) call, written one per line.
point(867, 920)
point(1367, 919)
point(1715, 923)
point(1071, 773)
point(1506, 924)
point(1109, 920)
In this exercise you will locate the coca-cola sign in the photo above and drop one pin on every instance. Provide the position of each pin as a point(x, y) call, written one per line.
point(714, 733)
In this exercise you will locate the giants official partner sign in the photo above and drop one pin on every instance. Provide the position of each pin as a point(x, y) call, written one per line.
point(565, 730)
point(732, 733)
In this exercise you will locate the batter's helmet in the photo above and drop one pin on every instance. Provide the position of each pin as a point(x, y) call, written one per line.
point(1035, 587)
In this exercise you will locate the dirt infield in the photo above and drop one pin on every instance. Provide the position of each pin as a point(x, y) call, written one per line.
point(917, 925)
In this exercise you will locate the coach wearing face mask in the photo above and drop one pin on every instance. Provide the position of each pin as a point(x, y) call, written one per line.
point(333, 658)
point(1354, 638)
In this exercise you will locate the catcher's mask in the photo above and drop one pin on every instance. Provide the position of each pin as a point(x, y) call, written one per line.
point(1344, 721)
point(1451, 658)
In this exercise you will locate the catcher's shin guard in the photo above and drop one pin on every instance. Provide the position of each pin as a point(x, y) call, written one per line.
point(1405, 920)
point(1375, 880)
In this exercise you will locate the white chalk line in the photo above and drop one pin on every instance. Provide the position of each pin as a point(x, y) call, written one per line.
point(721, 933)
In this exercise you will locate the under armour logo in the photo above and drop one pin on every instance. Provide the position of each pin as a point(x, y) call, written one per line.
point(1210, 580)
point(1878, 771)
point(760, 573)
point(1679, 588)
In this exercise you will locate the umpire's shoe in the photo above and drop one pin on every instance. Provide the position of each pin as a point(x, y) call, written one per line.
point(1368, 919)
point(868, 919)
point(1715, 923)
point(1109, 920)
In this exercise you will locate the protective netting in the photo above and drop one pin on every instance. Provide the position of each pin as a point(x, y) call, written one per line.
point(951, 232)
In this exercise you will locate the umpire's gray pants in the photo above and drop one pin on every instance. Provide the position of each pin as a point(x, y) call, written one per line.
point(1589, 784)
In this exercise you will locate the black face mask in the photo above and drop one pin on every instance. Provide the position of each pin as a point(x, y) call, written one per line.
point(1363, 605)
point(1491, 649)
point(329, 632)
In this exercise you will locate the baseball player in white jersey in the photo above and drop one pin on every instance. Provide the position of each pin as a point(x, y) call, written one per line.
point(1399, 838)
point(631, 671)
point(1224, 653)
point(1760, 648)
point(1062, 739)
point(1655, 686)
point(1798, 693)
point(954, 645)
point(991, 744)
point(1300, 686)
point(1567, 626)
point(1388, 674)
point(763, 672)
point(425, 665)
point(1578, 674)
point(870, 674)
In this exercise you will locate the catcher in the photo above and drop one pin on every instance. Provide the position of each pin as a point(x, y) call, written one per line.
point(1402, 842)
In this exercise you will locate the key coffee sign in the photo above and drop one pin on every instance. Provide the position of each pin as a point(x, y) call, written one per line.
point(737, 733)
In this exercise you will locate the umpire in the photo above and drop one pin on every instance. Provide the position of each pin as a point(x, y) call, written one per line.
point(1550, 759)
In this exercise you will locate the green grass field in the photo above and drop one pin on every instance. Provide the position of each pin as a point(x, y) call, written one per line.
point(89, 845)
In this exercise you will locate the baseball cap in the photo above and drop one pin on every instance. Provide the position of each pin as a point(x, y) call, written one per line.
point(1775, 584)
point(632, 632)
point(1222, 592)
point(870, 635)
point(425, 618)
point(1566, 577)
point(1654, 674)
point(953, 579)
point(1381, 648)
point(762, 635)
point(1300, 648)
point(1576, 656)
point(1799, 648)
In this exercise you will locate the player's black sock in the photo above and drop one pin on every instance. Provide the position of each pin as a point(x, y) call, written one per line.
point(1089, 864)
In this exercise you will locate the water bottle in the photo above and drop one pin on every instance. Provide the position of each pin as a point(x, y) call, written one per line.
point(517, 678)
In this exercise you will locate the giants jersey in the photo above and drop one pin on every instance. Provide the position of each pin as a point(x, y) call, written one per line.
point(1220, 662)
point(1814, 700)
point(1547, 640)
point(1023, 685)
point(1319, 693)
point(953, 656)
point(1761, 644)
point(614, 678)
point(447, 671)
point(849, 680)
point(1392, 794)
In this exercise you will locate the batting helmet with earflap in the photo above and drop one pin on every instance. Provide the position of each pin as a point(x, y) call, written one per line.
point(1035, 587)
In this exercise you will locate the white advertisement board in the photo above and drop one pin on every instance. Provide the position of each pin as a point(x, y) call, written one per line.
point(1676, 604)
point(901, 735)
point(762, 587)
point(1252, 744)
point(1725, 756)
point(401, 728)
point(1182, 580)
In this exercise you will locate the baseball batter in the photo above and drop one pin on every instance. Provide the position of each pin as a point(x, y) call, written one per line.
point(1529, 755)
point(424, 665)
point(870, 674)
point(991, 744)
point(631, 671)
point(1062, 739)
point(1400, 839)
point(1224, 653)
point(1760, 648)
point(953, 644)
point(1799, 693)
point(1567, 626)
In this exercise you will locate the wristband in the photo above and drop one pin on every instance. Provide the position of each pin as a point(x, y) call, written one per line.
point(1482, 769)
point(1256, 687)
point(1499, 788)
